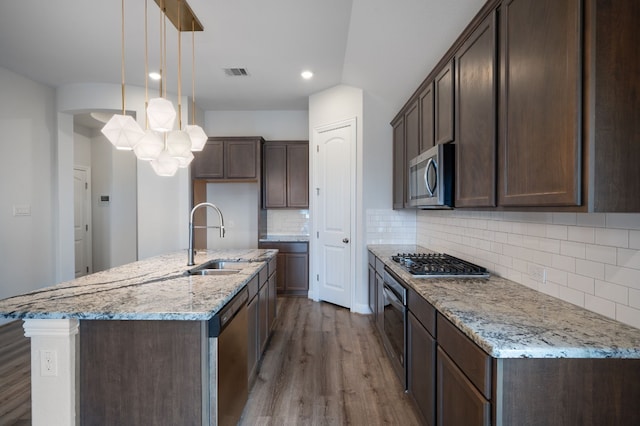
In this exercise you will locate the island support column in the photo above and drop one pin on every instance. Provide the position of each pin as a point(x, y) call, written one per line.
point(53, 371)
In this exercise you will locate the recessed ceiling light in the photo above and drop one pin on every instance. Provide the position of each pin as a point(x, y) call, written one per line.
point(155, 76)
point(306, 75)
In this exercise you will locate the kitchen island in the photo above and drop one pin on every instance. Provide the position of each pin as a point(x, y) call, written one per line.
point(145, 351)
point(508, 354)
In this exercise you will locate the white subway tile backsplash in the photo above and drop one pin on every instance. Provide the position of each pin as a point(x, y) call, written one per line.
point(589, 268)
point(623, 276)
point(602, 254)
point(613, 292)
point(582, 234)
point(602, 306)
point(582, 283)
point(623, 220)
point(612, 237)
point(628, 258)
point(591, 259)
point(634, 239)
point(287, 222)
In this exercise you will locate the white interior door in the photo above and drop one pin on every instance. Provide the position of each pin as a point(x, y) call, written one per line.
point(334, 189)
point(81, 219)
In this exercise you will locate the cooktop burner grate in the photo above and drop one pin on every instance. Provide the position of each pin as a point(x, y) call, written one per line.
point(437, 265)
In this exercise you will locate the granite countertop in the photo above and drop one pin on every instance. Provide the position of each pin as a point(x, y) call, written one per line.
point(152, 289)
point(284, 238)
point(509, 320)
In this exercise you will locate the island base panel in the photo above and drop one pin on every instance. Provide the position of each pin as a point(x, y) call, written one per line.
point(140, 372)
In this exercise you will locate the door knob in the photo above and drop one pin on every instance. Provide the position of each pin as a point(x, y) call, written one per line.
point(345, 240)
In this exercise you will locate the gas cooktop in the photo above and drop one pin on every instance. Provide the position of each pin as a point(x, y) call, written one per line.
point(438, 265)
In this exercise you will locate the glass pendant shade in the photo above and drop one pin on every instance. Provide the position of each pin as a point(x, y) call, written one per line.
point(123, 132)
point(197, 135)
point(178, 143)
point(149, 147)
point(183, 162)
point(161, 114)
point(165, 164)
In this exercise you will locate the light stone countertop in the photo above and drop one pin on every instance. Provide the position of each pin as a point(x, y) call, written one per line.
point(277, 238)
point(509, 320)
point(151, 289)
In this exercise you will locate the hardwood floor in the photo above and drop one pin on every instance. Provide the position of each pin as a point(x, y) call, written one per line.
point(325, 366)
point(15, 376)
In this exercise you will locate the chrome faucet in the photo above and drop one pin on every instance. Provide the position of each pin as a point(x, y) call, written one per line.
point(192, 251)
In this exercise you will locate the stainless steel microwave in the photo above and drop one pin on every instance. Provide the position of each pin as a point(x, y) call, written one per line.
point(431, 178)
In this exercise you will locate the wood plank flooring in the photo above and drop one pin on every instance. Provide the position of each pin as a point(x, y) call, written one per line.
point(15, 376)
point(325, 366)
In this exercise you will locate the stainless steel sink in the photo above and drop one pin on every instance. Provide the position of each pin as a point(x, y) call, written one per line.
point(218, 267)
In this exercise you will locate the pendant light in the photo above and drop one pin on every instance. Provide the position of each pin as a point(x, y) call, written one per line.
point(150, 146)
point(121, 129)
point(160, 111)
point(196, 134)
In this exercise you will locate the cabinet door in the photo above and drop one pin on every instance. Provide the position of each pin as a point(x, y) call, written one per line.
point(275, 176)
point(412, 131)
point(380, 299)
point(427, 127)
point(298, 175)
point(209, 164)
point(252, 347)
point(459, 402)
point(540, 105)
point(421, 369)
point(272, 301)
point(263, 317)
point(240, 159)
point(297, 273)
point(476, 138)
point(281, 260)
point(372, 290)
point(399, 166)
point(444, 105)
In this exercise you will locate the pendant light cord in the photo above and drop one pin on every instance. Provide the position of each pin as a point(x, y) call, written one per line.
point(146, 65)
point(122, 57)
point(179, 66)
point(193, 72)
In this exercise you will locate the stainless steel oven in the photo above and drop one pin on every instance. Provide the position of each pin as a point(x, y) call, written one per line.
point(394, 336)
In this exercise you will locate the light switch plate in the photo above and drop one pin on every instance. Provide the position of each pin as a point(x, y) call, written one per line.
point(22, 210)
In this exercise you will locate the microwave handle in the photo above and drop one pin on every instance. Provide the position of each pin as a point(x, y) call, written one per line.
point(433, 164)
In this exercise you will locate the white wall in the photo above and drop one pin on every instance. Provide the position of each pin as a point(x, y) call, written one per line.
point(238, 203)
point(330, 106)
point(162, 203)
point(27, 126)
point(271, 125)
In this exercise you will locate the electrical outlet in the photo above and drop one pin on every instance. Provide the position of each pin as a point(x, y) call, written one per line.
point(48, 362)
point(538, 273)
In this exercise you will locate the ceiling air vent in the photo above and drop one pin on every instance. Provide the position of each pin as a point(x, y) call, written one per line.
point(236, 72)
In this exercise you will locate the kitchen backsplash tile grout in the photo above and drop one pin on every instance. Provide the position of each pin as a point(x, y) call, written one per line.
point(591, 259)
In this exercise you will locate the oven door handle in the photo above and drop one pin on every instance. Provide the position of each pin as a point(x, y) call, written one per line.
point(391, 297)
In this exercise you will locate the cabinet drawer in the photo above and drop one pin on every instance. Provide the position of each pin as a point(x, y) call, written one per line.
point(379, 266)
point(473, 361)
point(271, 266)
point(372, 260)
point(252, 287)
point(286, 247)
point(423, 311)
point(263, 275)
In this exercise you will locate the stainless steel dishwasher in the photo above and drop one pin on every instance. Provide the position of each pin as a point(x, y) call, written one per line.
point(228, 361)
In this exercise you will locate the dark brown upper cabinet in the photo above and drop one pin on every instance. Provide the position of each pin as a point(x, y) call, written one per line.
point(541, 89)
point(444, 104)
point(476, 140)
point(286, 174)
point(427, 126)
point(399, 164)
point(229, 159)
point(412, 131)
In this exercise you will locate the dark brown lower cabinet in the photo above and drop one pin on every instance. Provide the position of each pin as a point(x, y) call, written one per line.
point(263, 317)
point(421, 369)
point(459, 402)
point(293, 267)
point(372, 289)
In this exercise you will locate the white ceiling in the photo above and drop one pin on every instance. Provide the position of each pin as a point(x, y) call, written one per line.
point(385, 47)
